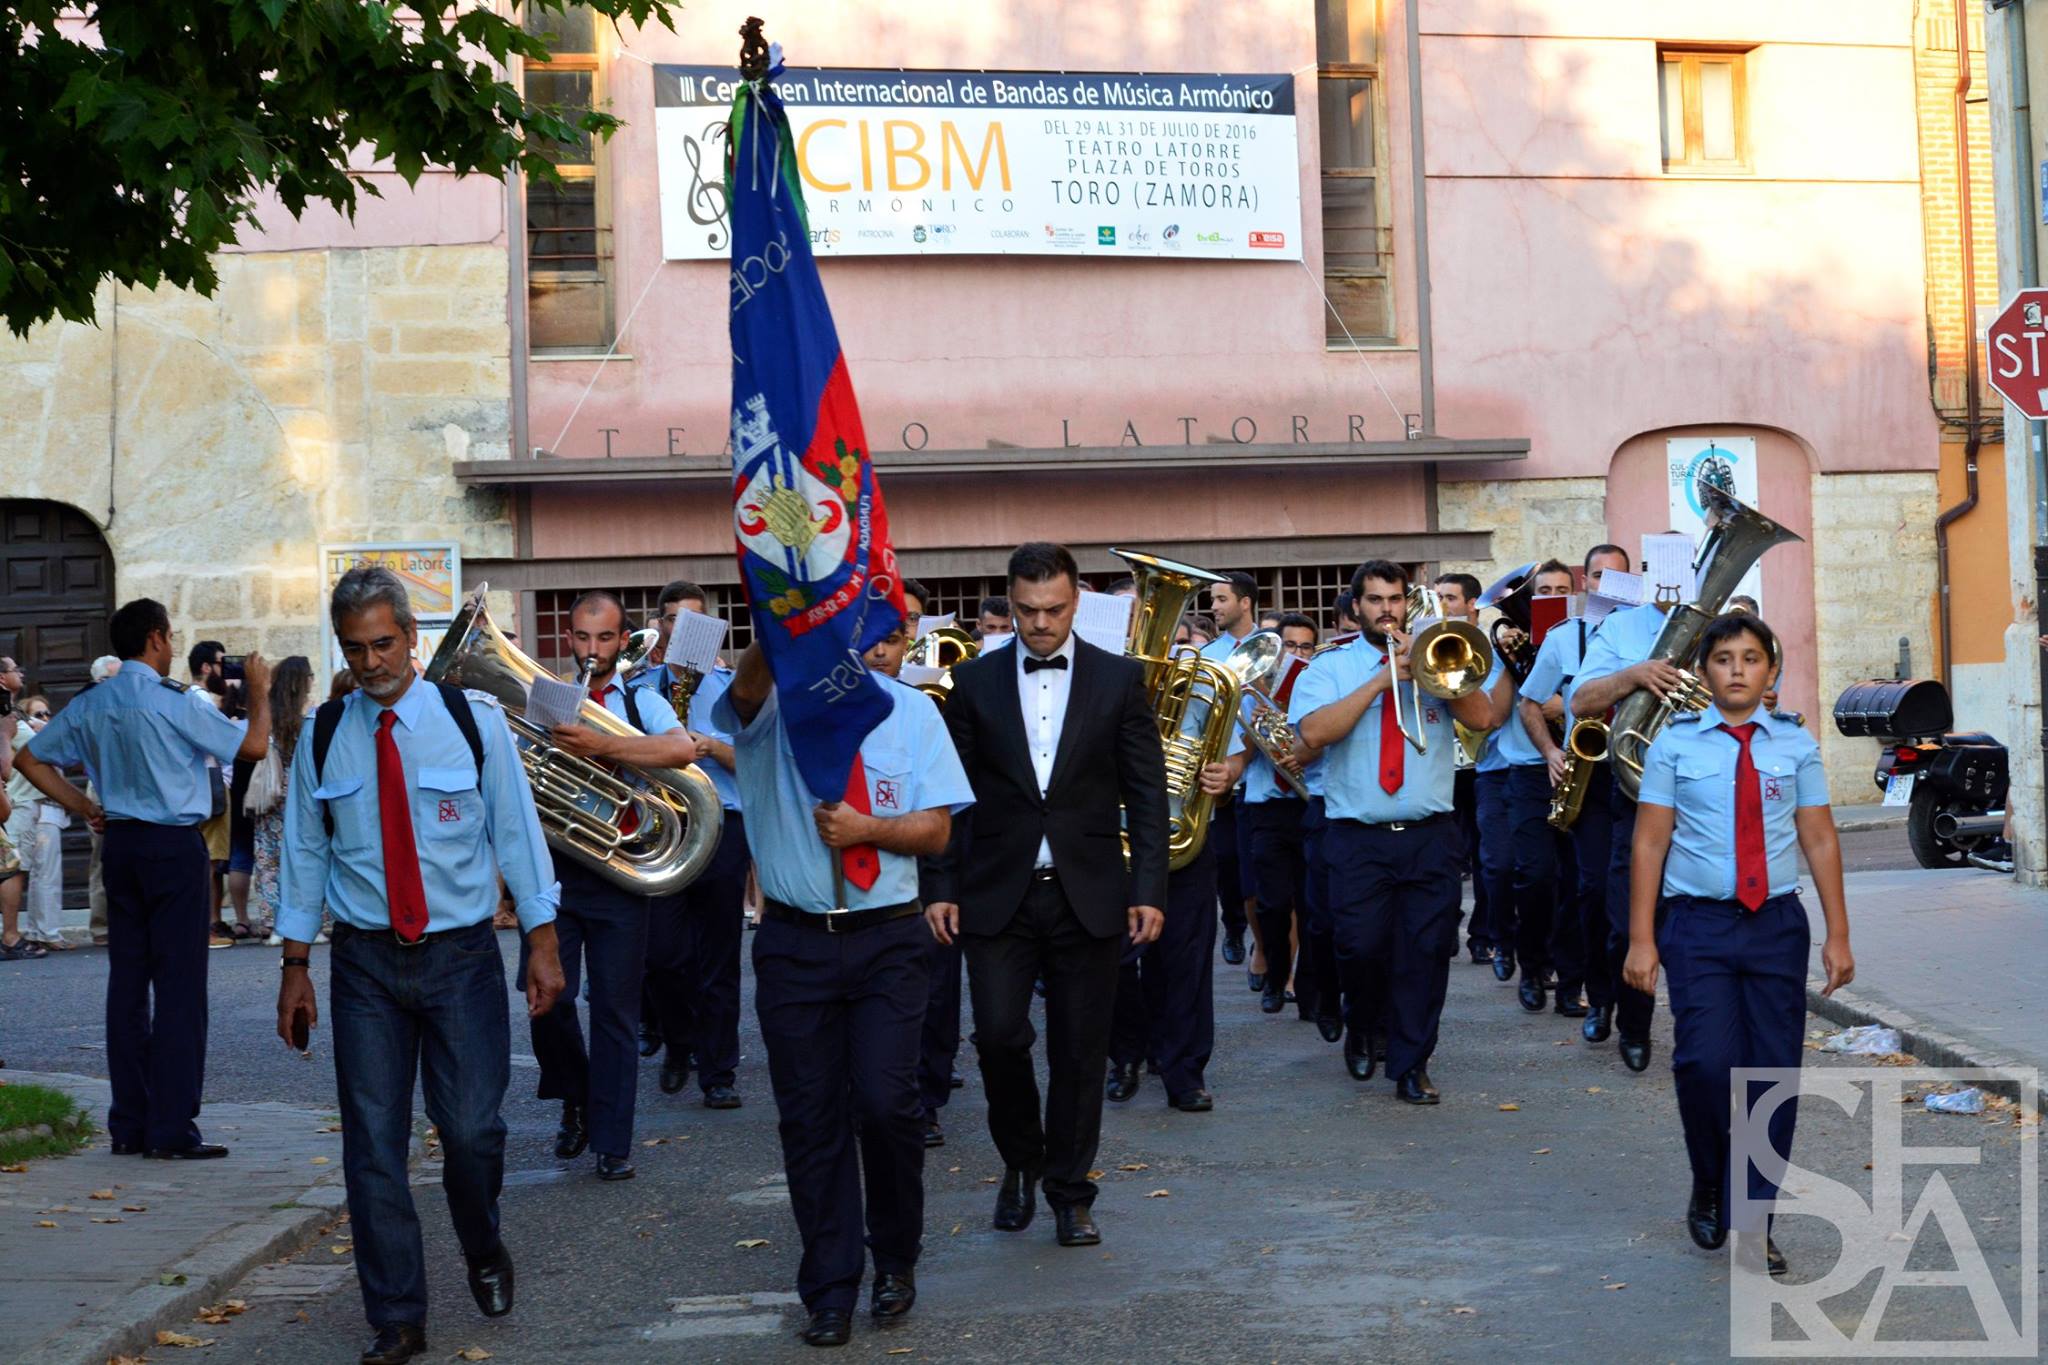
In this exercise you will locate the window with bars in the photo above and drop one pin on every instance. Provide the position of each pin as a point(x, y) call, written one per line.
point(551, 619)
point(1703, 101)
point(1358, 236)
point(568, 227)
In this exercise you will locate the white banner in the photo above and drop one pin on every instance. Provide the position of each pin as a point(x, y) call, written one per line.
point(957, 163)
point(1730, 462)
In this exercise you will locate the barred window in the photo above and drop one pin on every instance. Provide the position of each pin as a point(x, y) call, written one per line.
point(568, 224)
point(551, 620)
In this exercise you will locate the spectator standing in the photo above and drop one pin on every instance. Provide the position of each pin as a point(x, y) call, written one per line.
point(40, 842)
point(291, 698)
point(207, 664)
point(21, 799)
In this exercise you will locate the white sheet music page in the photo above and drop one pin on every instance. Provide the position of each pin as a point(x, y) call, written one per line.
point(1104, 620)
point(551, 702)
point(927, 624)
point(695, 641)
point(1667, 569)
point(919, 674)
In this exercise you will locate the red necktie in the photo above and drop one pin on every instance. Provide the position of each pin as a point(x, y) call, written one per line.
point(862, 863)
point(404, 893)
point(1393, 746)
point(1752, 870)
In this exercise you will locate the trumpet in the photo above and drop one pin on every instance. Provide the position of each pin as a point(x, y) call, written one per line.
point(1447, 660)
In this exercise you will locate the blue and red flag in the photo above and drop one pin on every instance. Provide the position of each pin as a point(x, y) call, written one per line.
point(812, 534)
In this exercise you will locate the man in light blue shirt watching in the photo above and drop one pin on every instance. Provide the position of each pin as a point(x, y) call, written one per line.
point(407, 802)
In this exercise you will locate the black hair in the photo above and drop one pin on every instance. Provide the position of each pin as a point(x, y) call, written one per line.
point(1241, 583)
point(134, 623)
point(1464, 582)
point(601, 595)
point(681, 590)
point(1117, 585)
point(1728, 625)
point(1037, 561)
point(1551, 566)
point(1626, 563)
point(993, 606)
point(201, 654)
point(1386, 570)
point(912, 588)
point(1341, 605)
point(1297, 620)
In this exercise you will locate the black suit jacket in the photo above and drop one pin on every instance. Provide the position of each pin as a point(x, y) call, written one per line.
point(1109, 774)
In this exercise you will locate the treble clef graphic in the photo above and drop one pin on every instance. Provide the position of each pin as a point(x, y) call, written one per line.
point(707, 204)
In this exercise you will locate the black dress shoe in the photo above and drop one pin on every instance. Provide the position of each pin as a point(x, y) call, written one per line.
point(1531, 993)
point(1124, 1080)
point(1233, 948)
point(396, 1343)
point(1703, 1218)
point(1503, 965)
point(1330, 1026)
point(1774, 1259)
point(674, 1076)
point(198, 1151)
point(490, 1283)
point(650, 1041)
point(954, 1082)
point(1194, 1102)
point(1017, 1200)
point(1635, 1053)
point(1358, 1056)
point(1481, 956)
point(1077, 1226)
point(613, 1167)
point(1599, 1024)
point(721, 1097)
point(1415, 1088)
point(1570, 1002)
point(828, 1327)
point(127, 1149)
point(934, 1136)
point(1273, 998)
point(571, 1137)
point(1255, 980)
point(894, 1295)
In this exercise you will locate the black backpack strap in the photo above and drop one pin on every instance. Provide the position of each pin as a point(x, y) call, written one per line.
point(633, 708)
point(457, 702)
point(325, 721)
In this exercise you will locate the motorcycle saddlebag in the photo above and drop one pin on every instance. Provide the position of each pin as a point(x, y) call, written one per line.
point(1887, 708)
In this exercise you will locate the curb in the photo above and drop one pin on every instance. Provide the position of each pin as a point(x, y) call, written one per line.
point(1930, 1046)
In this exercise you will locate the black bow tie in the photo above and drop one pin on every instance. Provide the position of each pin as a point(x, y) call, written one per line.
point(1032, 663)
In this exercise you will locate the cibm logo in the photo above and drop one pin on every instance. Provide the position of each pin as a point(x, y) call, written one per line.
point(1169, 232)
point(1105, 236)
point(1139, 236)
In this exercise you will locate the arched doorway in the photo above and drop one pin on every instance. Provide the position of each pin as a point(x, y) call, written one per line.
point(56, 593)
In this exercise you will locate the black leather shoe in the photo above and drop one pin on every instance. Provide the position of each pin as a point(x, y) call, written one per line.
point(396, 1343)
point(1774, 1259)
point(571, 1137)
point(1273, 999)
point(1330, 1026)
point(1635, 1054)
point(828, 1327)
point(1124, 1080)
point(674, 1076)
point(650, 1041)
point(1358, 1057)
point(1703, 1218)
point(1503, 965)
point(1599, 1024)
point(1481, 957)
point(1415, 1088)
point(1077, 1226)
point(490, 1283)
point(1255, 980)
point(1194, 1102)
point(1233, 948)
point(953, 1081)
point(721, 1097)
point(934, 1136)
point(894, 1296)
point(1531, 993)
point(1570, 1002)
point(198, 1151)
point(1017, 1200)
point(127, 1149)
point(613, 1167)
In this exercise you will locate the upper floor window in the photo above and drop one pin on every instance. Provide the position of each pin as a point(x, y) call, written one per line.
point(1358, 237)
point(568, 226)
point(1703, 98)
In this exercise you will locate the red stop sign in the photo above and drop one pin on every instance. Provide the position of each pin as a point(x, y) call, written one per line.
point(2017, 341)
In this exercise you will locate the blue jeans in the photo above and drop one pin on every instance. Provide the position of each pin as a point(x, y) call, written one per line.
point(437, 1011)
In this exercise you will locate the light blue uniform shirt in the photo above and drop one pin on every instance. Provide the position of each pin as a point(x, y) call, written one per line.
point(468, 833)
point(709, 689)
point(1691, 768)
point(1351, 777)
point(1621, 640)
point(911, 766)
point(1491, 757)
point(144, 743)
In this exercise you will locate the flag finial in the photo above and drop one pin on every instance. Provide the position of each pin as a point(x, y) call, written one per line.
point(754, 58)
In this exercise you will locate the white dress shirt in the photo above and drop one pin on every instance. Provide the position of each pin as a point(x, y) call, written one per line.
point(1042, 695)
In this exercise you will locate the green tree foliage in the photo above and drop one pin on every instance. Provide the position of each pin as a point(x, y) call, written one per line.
point(135, 133)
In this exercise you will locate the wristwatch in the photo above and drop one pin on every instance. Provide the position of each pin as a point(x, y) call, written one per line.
point(285, 962)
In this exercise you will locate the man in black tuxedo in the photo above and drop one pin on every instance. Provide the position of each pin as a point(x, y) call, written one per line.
point(1061, 744)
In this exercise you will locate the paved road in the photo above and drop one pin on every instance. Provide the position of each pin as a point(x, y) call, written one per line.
point(1309, 1217)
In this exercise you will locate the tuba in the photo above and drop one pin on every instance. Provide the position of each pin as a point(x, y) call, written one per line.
point(941, 647)
point(1511, 594)
point(648, 830)
point(1737, 538)
point(1195, 699)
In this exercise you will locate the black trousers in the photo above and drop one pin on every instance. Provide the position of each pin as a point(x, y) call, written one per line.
point(940, 1042)
point(840, 1014)
point(1320, 957)
point(156, 879)
point(603, 927)
point(1480, 930)
point(1567, 929)
point(1166, 992)
point(693, 962)
point(1394, 898)
point(1518, 849)
point(1280, 875)
point(1592, 847)
point(1231, 874)
point(1633, 1010)
point(1080, 971)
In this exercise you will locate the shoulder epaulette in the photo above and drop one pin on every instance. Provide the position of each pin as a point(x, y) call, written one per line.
point(1688, 718)
point(484, 697)
point(1790, 718)
point(174, 685)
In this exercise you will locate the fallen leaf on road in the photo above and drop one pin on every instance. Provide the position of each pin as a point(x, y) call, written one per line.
point(990, 1179)
point(1160, 1194)
point(1095, 1175)
point(1464, 1310)
point(1618, 1284)
point(472, 1353)
point(1267, 1251)
point(45, 1223)
point(171, 1279)
point(319, 1161)
point(60, 1208)
point(135, 1208)
point(214, 1314)
point(339, 1250)
point(182, 1339)
point(655, 1142)
point(1592, 1090)
point(15, 1168)
point(1509, 1108)
point(1542, 1151)
point(749, 1243)
point(898, 1351)
point(101, 1194)
point(956, 1230)
point(106, 1220)
point(1134, 1166)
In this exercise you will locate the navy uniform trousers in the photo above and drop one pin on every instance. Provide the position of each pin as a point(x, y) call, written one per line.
point(1280, 881)
point(156, 877)
point(1319, 946)
point(693, 962)
point(1738, 999)
point(940, 1042)
point(1633, 1010)
point(1394, 907)
point(1166, 991)
point(840, 1014)
point(1480, 932)
point(1592, 847)
point(1231, 873)
point(1518, 859)
point(603, 928)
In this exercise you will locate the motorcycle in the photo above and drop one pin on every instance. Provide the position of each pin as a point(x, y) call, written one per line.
point(1952, 784)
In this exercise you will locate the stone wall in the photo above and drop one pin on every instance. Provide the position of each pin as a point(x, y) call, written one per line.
point(1531, 519)
point(318, 397)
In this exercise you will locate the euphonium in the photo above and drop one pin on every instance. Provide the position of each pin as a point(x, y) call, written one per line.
point(649, 830)
point(1195, 699)
point(941, 647)
point(1737, 537)
point(1446, 659)
point(1584, 747)
point(1255, 660)
point(1511, 594)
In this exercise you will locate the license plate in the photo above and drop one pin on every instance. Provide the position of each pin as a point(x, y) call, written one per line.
point(1898, 789)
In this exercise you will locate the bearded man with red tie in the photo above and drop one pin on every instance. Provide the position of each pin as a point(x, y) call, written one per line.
point(407, 802)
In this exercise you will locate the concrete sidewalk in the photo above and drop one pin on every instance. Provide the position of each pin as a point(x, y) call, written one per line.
point(172, 1235)
point(1954, 959)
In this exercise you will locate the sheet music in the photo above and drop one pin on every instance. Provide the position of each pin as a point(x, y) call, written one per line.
point(1622, 589)
point(551, 702)
point(989, 642)
point(695, 641)
point(917, 675)
point(1104, 620)
point(1667, 569)
point(927, 624)
point(1599, 606)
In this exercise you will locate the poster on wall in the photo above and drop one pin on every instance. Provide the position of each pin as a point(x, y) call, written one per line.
point(431, 572)
point(1730, 462)
point(963, 163)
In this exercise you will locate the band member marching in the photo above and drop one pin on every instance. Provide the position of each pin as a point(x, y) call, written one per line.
point(1394, 892)
point(1233, 604)
point(1274, 810)
point(1489, 934)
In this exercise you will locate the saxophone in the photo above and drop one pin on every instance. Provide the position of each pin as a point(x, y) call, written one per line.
point(1584, 747)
